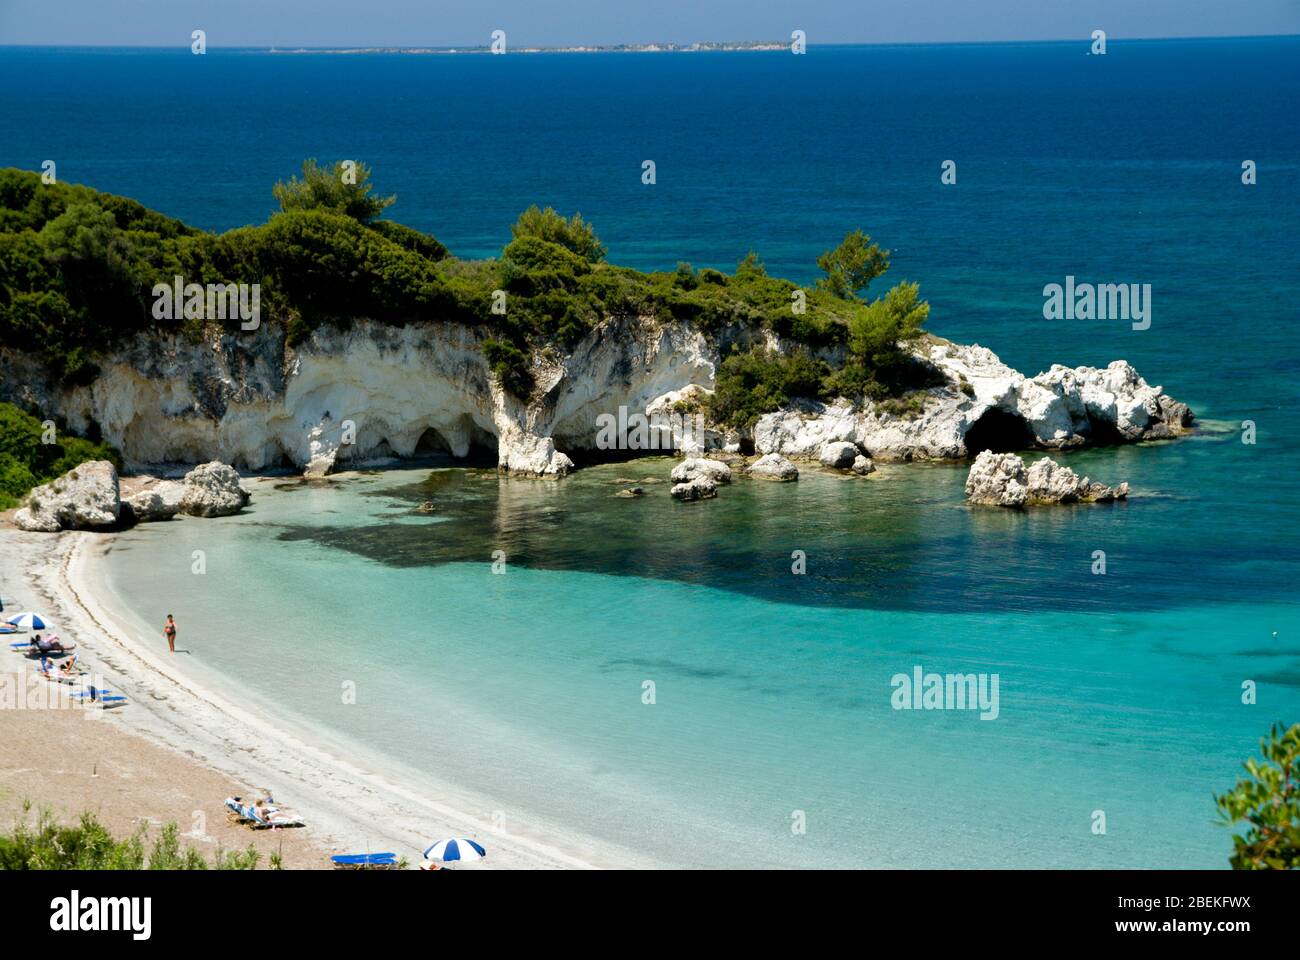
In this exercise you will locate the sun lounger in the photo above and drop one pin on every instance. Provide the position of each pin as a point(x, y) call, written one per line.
point(263, 819)
point(105, 698)
point(51, 647)
point(365, 861)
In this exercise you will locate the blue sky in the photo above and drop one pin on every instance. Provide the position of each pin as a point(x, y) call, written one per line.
point(551, 22)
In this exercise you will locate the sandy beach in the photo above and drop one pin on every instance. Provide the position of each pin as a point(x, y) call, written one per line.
point(179, 748)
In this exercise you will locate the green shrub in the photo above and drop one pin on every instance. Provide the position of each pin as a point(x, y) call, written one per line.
point(511, 366)
point(26, 462)
point(340, 189)
point(752, 383)
point(88, 845)
point(1268, 801)
point(573, 234)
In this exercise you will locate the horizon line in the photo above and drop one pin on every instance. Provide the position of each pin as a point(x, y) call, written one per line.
point(611, 46)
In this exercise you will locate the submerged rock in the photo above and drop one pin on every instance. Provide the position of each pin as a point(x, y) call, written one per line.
point(1001, 479)
point(631, 492)
point(773, 466)
point(212, 490)
point(84, 498)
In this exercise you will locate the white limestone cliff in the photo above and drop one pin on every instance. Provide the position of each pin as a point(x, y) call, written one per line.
point(370, 390)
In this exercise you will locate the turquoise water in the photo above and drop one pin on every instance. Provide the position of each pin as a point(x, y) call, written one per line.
point(527, 685)
point(1118, 693)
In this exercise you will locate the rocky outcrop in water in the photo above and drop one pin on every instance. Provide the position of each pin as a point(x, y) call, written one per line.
point(984, 404)
point(699, 488)
point(84, 498)
point(839, 454)
point(693, 467)
point(773, 466)
point(1001, 479)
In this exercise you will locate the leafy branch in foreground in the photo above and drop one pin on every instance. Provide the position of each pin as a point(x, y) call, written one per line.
point(1268, 800)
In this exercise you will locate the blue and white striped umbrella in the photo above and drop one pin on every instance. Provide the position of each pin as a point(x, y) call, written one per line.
point(28, 621)
point(458, 848)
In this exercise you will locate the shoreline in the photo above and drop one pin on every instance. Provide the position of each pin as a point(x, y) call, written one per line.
point(348, 806)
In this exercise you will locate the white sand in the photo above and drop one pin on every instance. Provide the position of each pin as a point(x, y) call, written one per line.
point(347, 806)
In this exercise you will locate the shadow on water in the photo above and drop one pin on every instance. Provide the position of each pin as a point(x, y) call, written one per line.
point(903, 539)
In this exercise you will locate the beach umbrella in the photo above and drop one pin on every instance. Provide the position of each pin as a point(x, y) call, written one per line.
point(28, 621)
point(457, 848)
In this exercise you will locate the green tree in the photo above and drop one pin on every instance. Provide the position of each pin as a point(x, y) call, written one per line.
point(344, 188)
point(852, 265)
point(1268, 800)
point(574, 234)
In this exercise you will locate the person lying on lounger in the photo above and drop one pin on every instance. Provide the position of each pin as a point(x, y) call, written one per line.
point(69, 667)
point(50, 645)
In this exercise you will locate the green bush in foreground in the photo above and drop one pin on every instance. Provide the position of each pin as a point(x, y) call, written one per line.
point(1268, 800)
point(50, 845)
point(26, 461)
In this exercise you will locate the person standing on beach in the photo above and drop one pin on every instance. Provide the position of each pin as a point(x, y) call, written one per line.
point(169, 631)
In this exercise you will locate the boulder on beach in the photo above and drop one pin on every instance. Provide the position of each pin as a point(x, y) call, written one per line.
point(212, 490)
point(701, 488)
point(84, 498)
point(162, 501)
point(1001, 479)
point(773, 466)
point(693, 467)
point(839, 454)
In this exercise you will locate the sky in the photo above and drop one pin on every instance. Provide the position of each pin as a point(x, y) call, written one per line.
point(563, 22)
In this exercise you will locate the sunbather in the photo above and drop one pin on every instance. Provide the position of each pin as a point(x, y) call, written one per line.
point(69, 667)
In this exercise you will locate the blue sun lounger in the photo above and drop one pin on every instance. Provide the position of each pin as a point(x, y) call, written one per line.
point(364, 861)
point(104, 697)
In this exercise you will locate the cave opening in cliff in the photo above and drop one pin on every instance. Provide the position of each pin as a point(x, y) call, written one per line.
point(482, 449)
point(1103, 433)
point(998, 431)
point(431, 442)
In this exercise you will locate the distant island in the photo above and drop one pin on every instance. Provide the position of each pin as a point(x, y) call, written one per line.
point(695, 47)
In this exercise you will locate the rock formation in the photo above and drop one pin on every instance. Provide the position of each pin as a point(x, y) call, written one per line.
point(84, 498)
point(984, 405)
point(693, 467)
point(700, 488)
point(773, 466)
point(1001, 479)
point(88, 497)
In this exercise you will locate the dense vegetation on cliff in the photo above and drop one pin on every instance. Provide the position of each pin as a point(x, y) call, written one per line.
point(78, 268)
point(32, 453)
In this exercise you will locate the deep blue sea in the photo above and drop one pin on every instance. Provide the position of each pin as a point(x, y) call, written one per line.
point(1120, 693)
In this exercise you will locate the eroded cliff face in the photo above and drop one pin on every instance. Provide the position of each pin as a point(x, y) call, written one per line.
point(350, 394)
point(346, 395)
